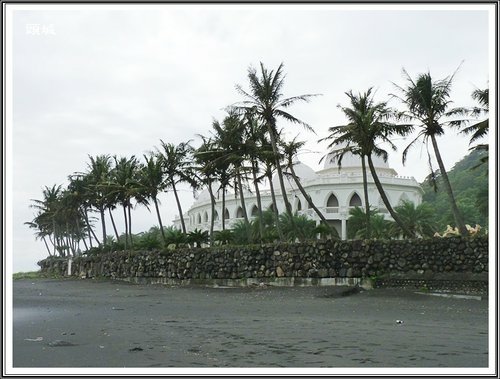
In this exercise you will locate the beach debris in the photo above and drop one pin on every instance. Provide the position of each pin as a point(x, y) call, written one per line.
point(117, 309)
point(60, 343)
point(136, 349)
point(399, 321)
point(40, 294)
point(101, 346)
point(37, 339)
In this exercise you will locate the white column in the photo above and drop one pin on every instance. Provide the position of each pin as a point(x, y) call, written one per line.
point(344, 228)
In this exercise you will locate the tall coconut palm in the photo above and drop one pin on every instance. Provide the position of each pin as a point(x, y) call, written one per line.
point(177, 168)
point(479, 129)
point(78, 185)
point(231, 149)
point(290, 150)
point(124, 186)
point(428, 103)
point(368, 124)
point(98, 176)
point(265, 99)
point(152, 183)
point(207, 174)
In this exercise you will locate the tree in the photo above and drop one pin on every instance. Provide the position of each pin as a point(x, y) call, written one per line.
point(290, 150)
point(428, 103)
point(97, 180)
point(152, 183)
point(418, 219)
point(265, 99)
point(177, 168)
point(479, 129)
point(357, 225)
point(368, 124)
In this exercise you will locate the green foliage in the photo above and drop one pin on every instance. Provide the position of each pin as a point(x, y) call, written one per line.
point(470, 187)
point(175, 237)
point(380, 228)
point(418, 220)
point(224, 237)
point(198, 237)
point(304, 229)
point(150, 240)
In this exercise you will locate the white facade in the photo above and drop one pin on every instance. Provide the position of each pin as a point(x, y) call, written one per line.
point(333, 192)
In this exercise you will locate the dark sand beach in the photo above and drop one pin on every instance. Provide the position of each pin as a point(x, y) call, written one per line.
point(94, 323)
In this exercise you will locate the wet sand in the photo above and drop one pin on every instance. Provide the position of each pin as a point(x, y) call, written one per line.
point(93, 323)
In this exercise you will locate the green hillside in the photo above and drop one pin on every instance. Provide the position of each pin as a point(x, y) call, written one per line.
point(470, 187)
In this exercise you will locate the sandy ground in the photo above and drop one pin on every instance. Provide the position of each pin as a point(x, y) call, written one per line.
point(90, 323)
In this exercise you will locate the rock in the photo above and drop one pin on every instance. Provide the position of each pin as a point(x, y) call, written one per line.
point(60, 343)
point(279, 272)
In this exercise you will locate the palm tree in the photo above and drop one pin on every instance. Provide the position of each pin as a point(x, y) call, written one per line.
point(98, 177)
point(427, 103)
point(152, 183)
point(358, 227)
point(418, 219)
point(368, 123)
point(206, 172)
point(123, 185)
point(265, 99)
point(480, 129)
point(177, 168)
point(290, 150)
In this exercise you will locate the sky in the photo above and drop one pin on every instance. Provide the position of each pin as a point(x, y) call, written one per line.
point(115, 79)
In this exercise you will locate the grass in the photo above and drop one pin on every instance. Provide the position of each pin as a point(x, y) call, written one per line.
point(34, 275)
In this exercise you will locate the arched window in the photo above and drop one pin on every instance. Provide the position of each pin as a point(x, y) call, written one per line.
point(205, 217)
point(226, 214)
point(199, 219)
point(299, 205)
point(355, 201)
point(216, 216)
point(332, 201)
point(271, 207)
point(255, 211)
point(239, 212)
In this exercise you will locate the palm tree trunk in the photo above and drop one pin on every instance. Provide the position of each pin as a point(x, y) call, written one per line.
point(243, 205)
point(179, 208)
point(447, 186)
point(288, 207)
point(224, 207)
point(103, 222)
point(46, 245)
point(89, 229)
point(385, 199)
point(308, 198)
point(114, 225)
point(130, 225)
point(259, 201)
point(126, 225)
point(275, 206)
point(212, 217)
point(159, 219)
point(365, 190)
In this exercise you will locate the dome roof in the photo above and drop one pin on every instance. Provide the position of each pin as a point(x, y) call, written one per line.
point(303, 172)
point(351, 160)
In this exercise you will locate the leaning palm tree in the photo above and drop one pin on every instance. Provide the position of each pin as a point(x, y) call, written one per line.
point(177, 168)
point(428, 103)
point(290, 150)
point(152, 183)
point(265, 99)
point(368, 124)
point(479, 129)
point(98, 174)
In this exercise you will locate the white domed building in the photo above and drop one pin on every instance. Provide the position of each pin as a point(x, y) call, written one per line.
point(333, 191)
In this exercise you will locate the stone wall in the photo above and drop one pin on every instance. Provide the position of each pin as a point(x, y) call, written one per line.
point(430, 259)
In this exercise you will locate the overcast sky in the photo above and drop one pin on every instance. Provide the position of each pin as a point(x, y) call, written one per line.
point(115, 79)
